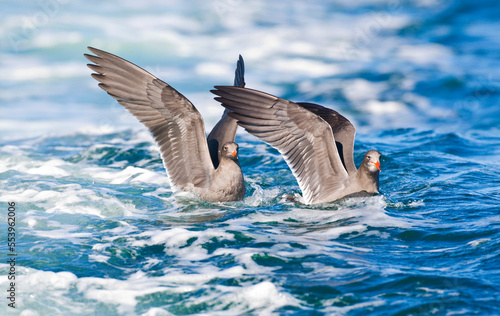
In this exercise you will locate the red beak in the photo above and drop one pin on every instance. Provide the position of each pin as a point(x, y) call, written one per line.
point(377, 164)
point(234, 153)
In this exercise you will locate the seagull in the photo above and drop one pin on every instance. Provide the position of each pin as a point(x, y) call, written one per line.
point(208, 167)
point(316, 142)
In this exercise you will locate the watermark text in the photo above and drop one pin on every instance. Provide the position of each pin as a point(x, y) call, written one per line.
point(11, 254)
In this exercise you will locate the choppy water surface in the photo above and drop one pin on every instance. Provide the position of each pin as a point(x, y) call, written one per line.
point(100, 232)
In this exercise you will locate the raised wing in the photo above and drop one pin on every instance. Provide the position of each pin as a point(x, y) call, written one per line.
point(174, 122)
point(225, 130)
point(343, 131)
point(303, 138)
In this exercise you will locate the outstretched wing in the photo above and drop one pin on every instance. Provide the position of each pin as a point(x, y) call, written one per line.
point(225, 130)
point(174, 122)
point(343, 131)
point(303, 138)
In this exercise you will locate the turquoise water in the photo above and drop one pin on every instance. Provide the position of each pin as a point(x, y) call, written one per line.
point(99, 230)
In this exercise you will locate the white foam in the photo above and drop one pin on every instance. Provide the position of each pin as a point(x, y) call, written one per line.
point(33, 286)
point(426, 54)
point(379, 107)
point(130, 174)
point(260, 196)
point(28, 195)
point(31, 221)
point(99, 258)
point(69, 198)
point(52, 167)
point(306, 67)
point(359, 90)
point(194, 268)
point(124, 293)
point(155, 311)
point(64, 231)
point(151, 177)
point(368, 305)
point(175, 238)
point(215, 70)
point(478, 242)
point(11, 150)
point(412, 204)
point(52, 281)
point(336, 232)
point(115, 292)
point(264, 297)
point(29, 312)
point(124, 229)
point(37, 71)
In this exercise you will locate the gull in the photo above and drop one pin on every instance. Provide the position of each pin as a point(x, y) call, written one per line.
point(316, 142)
point(207, 166)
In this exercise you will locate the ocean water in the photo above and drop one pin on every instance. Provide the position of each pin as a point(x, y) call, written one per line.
point(99, 230)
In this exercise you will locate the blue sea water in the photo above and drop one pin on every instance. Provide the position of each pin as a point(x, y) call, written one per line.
point(99, 230)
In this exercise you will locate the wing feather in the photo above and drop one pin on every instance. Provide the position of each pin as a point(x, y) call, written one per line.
point(174, 122)
point(343, 131)
point(303, 138)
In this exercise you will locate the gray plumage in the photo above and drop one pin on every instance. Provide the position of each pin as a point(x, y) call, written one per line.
point(177, 128)
point(225, 130)
point(316, 142)
point(343, 132)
